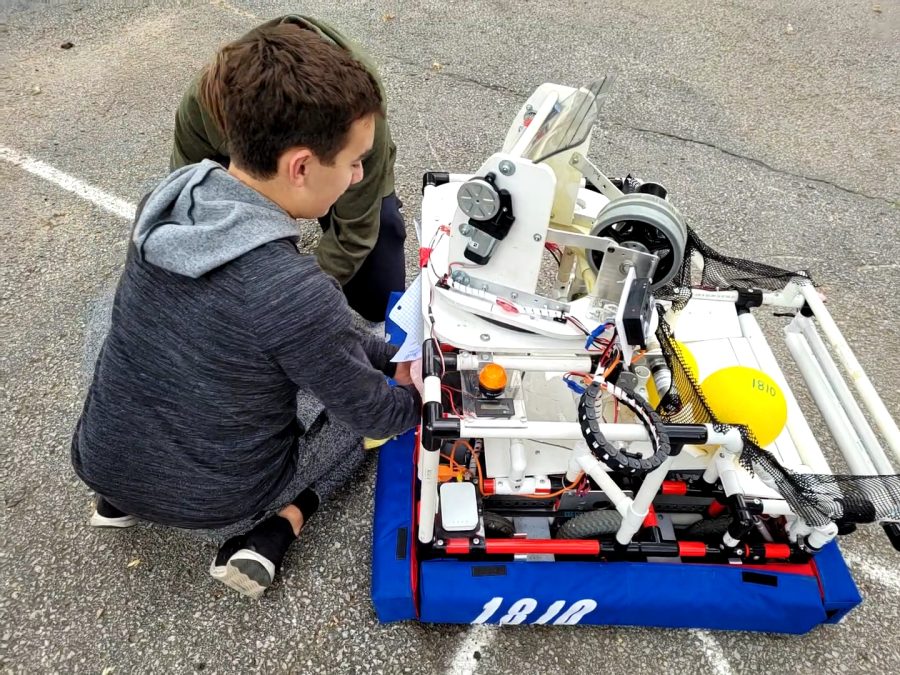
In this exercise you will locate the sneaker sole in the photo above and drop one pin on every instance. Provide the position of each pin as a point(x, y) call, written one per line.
point(247, 572)
point(102, 521)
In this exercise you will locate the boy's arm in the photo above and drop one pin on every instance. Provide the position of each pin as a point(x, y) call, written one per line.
point(356, 217)
point(379, 353)
point(304, 324)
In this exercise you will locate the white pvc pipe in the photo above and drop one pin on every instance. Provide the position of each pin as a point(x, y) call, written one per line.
point(804, 440)
point(870, 397)
point(786, 298)
point(640, 505)
point(559, 431)
point(843, 432)
point(592, 467)
point(548, 364)
point(842, 391)
point(429, 498)
point(518, 463)
point(431, 389)
point(728, 474)
point(776, 507)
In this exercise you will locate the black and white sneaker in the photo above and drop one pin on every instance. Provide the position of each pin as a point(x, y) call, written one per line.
point(248, 563)
point(107, 515)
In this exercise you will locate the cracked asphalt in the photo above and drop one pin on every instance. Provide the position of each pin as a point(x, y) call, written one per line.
point(775, 126)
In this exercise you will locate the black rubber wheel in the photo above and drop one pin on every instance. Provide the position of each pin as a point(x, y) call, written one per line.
point(709, 527)
point(497, 526)
point(590, 524)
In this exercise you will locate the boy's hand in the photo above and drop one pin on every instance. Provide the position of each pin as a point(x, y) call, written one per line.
point(410, 372)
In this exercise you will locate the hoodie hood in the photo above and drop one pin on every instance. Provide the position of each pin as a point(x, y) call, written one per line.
point(202, 217)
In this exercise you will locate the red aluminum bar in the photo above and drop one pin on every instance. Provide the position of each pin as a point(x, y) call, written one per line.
point(650, 520)
point(552, 546)
point(458, 546)
point(777, 551)
point(674, 487)
point(691, 549)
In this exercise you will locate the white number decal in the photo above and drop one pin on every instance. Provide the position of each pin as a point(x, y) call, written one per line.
point(520, 610)
point(576, 613)
point(489, 608)
point(551, 612)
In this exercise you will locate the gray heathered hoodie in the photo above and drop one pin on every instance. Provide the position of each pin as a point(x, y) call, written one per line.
point(190, 420)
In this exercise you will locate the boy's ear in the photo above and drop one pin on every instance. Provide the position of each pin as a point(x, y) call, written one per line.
point(297, 163)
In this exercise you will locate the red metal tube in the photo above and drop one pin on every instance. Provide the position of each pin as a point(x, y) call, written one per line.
point(458, 546)
point(691, 549)
point(553, 546)
point(674, 487)
point(777, 551)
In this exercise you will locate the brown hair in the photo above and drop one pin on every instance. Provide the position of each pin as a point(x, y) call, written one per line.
point(281, 87)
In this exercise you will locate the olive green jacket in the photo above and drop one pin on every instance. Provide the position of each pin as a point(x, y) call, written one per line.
point(354, 220)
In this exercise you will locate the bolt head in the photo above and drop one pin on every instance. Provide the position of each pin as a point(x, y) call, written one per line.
point(485, 337)
point(537, 237)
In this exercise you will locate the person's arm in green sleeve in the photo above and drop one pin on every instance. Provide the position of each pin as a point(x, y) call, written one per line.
point(197, 137)
point(356, 217)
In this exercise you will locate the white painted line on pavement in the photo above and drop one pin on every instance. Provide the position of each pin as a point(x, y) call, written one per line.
point(877, 573)
point(477, 639)
point(712, 650)
point(94, 195)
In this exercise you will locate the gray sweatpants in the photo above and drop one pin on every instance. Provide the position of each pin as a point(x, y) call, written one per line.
point(328, 453)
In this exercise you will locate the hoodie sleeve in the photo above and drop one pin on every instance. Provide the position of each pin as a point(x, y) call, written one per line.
point(302, 321)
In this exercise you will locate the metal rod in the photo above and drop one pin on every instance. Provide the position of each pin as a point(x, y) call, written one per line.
point(870, 397)
point(843, 432)
point(842, 391)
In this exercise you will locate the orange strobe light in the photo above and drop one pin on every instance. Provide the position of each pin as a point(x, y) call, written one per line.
point(492, 380)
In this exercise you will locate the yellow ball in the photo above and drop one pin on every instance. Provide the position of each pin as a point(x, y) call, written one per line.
point(687, 359)
point(742, 395)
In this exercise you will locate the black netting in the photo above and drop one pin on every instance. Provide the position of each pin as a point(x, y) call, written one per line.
point(817, 498)
point(704, 268)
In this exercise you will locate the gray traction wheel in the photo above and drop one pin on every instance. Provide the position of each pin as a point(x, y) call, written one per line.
point(709, 527)
point(590, 524)
point(497, 525)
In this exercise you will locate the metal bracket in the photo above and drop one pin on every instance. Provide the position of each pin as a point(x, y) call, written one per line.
point(590, 171)
point(532, 304)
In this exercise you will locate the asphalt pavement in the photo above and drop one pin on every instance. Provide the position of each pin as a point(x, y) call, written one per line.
point(775, 127)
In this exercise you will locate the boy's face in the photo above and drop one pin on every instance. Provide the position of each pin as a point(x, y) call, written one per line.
point(316, 186)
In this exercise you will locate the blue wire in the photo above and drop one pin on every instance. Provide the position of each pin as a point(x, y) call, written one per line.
point(594, 334)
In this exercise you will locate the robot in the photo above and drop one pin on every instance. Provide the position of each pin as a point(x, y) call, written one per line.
point(562, 420)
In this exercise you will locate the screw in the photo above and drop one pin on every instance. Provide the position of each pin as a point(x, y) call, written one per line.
point(507, 168)
point(537, 237)
point(465, 229)
point(476, 541)
point(575, 158)
point(514, 295)
point(485, 337)
point(460, 277)
point(484, 287)
point(439, 542)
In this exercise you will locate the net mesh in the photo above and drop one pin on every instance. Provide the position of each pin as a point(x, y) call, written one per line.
point(817, 498)
point(704, 268)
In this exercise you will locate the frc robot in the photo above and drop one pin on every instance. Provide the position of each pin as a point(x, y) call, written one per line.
point(564, 423)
